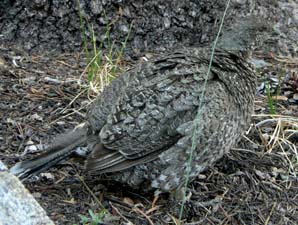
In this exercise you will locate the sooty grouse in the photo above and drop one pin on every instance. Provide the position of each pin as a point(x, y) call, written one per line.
point(140, 129)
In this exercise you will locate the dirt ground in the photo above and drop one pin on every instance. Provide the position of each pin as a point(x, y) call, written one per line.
point(256, 183)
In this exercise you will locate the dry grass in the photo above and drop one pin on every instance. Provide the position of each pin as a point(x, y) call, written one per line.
point(280, 134)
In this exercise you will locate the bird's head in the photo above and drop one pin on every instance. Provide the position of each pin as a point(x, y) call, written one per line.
point(245, 35)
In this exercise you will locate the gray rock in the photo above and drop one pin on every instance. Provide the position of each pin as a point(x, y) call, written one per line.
point(17, 206)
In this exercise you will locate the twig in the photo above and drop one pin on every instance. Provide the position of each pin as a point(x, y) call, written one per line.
point(152, 210)
point(56, 81)
point(118, 212)
point(270, 214)
point(137, 210)
point(90, 191)
point(72, 101)
point(66, 64)
point(73, 112)
point(271, 115)
point(275, 120)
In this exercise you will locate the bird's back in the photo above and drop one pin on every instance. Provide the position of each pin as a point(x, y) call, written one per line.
point(151, 115)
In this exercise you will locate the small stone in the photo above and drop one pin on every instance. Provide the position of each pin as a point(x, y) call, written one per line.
point(11, 121)
point(60, 123)
point(2, 62)
point(29, 80)
point(2, 166)
point(167, 22)
point(36, 194)
point(266, 137)
point(31, 148)
point(48, 176)
point(202, 176)
point(128, 201)
point(292, 101)
point(29, 142)
point(124, 28)
point(262, 175)
point(288, 94)
point(36, 117)
point(295, 96)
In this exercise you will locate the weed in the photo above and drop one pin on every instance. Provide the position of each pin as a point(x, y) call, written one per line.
point(93, 218)
point(271, 101)
point(102, 65)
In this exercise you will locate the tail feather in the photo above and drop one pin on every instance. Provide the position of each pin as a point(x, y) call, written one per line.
point(62, 147)
point(103, 160)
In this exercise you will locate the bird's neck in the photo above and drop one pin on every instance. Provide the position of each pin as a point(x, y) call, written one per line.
point(237, 74)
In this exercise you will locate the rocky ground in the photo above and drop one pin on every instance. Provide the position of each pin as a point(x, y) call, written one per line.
point(256, 183)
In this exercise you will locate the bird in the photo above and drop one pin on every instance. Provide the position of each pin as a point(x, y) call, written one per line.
point(141, 129)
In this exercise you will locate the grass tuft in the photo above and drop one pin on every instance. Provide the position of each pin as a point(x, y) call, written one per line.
point(93, 218)
point(271, 101)
point(103, 64)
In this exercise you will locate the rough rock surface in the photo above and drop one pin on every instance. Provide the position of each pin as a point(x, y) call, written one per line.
point(156, 25)
point(17, 205)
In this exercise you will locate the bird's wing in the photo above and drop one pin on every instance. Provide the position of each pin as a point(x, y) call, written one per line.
point(161, 95)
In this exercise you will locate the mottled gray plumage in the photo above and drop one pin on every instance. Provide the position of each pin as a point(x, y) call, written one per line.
point(140, 128)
